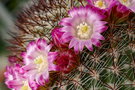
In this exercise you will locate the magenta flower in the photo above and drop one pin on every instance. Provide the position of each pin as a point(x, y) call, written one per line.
point(113, 10)
point(56, 38)
point(67, 60)
point(16, 79)
point(83, 28)
point(129, 4)
point(39, 61)
point(117, 14)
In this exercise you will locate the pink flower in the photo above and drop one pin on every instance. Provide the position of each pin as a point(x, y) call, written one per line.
point(56, 37)
point(16, 79)
point(39, 61)
point(83, 28)
point(113, 10)
point(102, 4)
point(129, 4)
point(67, 60)
point(117, 14)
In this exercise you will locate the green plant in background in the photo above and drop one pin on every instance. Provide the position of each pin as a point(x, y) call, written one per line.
point(109, 65)
point(13, 5)
point(8, 11)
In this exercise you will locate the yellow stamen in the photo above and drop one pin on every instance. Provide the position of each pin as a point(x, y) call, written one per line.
point(100, 3)
point(41, 63)
point(38, 60)
point(125, 1)
point(85, 29)
point(24, 88)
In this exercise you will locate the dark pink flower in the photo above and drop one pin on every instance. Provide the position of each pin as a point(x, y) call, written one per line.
point(113, 10)
point(129, 4)
point(117, 13)
point(57, 37)
point(67, 60)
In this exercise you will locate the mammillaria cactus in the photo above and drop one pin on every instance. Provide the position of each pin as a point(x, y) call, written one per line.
point(74, 45)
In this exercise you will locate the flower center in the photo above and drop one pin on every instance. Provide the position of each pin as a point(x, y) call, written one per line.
point(41, 63)
point(25, 86)
point(100, 4)
point(125, 2)
point(83, 31)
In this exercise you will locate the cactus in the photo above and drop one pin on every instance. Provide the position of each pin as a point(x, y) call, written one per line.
point(111, 66)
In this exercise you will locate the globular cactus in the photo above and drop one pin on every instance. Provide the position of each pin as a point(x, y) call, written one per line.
point(90, 65)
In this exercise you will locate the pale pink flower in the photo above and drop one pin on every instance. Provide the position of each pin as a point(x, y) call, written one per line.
point(39, 61)
point(83, 28)
point(102, 4)
point(16, 79)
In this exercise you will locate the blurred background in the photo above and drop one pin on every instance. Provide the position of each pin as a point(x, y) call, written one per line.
point(9, 10)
